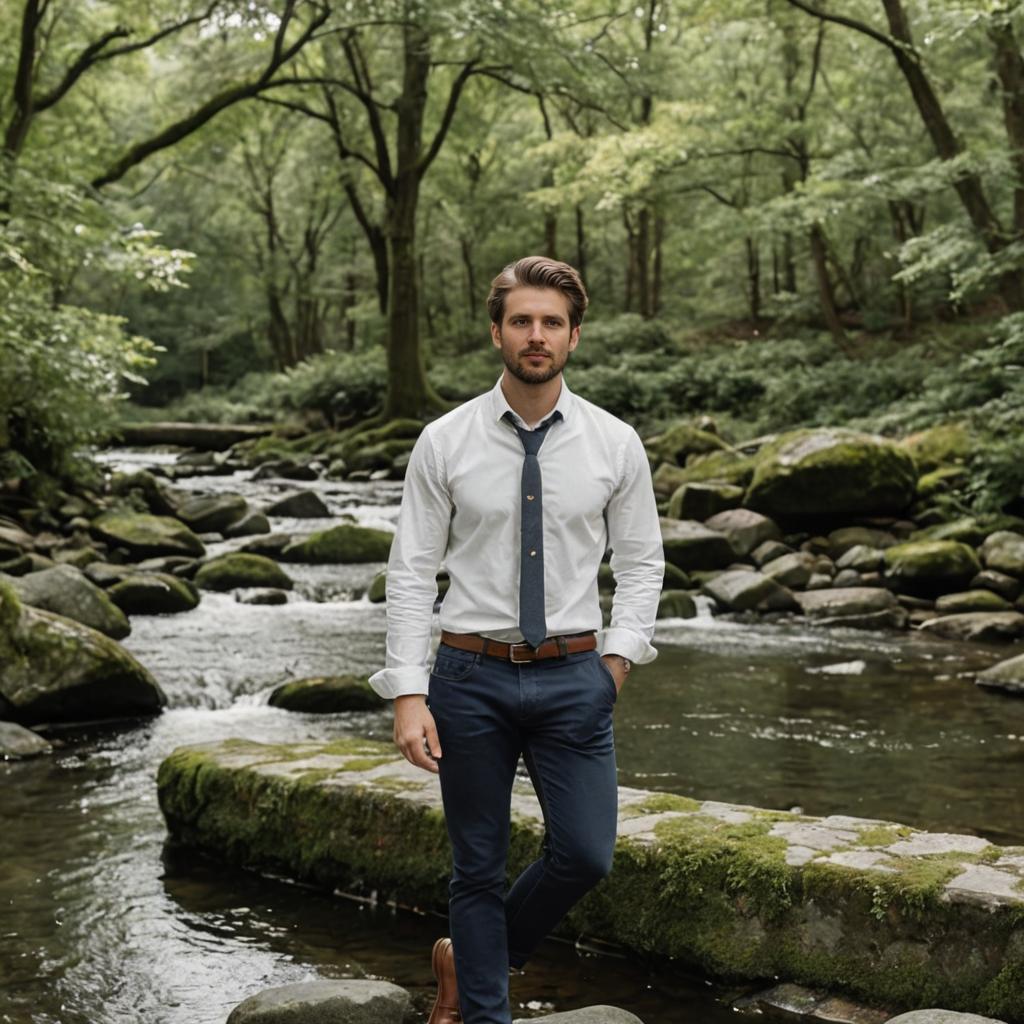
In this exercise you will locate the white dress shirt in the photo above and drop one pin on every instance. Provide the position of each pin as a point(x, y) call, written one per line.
point(461, 506)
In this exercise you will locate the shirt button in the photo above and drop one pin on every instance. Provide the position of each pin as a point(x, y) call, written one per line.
point(532, 553)
point(529, 497)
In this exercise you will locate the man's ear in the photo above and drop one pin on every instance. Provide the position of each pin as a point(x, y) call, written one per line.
point(495, 334)
point(574, 338)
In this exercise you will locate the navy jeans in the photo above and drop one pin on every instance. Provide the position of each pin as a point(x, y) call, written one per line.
point(557, 714)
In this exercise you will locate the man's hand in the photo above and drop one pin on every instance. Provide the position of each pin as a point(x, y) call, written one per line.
point(414, 724)
point(617, 666)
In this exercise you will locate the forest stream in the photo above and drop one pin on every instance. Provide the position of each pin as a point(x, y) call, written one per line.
point(104, 925)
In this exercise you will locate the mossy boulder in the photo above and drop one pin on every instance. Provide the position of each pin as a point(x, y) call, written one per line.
point(980, 627)
point(299, 505)
point(1007, 676)
point(66, 591)
point(854, 607)
point(154, 593)
point(676, 604)
point(380, 455)
point(725, 467)
point(681, 440)
point(971, 601)
point(159, 499)
point(326, 695)
point(691, 545)
point(341, 544)
point(965, 529)
point(831, 473)
point(938, 446)
point(17, 742)
point(212, 513)
point(359, 440)
point(346, 1001)
point(53, 669)
point(238, 569)
point(147, 535)
point(930, 567)
point(940, 481)
point(1004, 552)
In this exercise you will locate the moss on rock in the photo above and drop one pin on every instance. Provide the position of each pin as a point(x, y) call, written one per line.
point(147, 535)
point(341, 544)
point(238, 569)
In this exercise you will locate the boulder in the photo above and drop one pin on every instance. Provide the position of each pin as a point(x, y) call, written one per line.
point(55, 669)
point(326, 695)
point(998, 582)
point(930, 567)
point(701, 501)
point(676, 604)
point(679, 442)
point(285, 469)
point(846, 602)
point(830, 473)
point(145, 535)
point(941, 1017)
point(77, 557)
point(585, 1015)
point(154, 593)
point(251, 524)
point(745, 529)
point(1007, 676)
point(938, 446)
point(985, 627)
point(740, 590)
point(726, 467)
point(691, 545)
point(377, 590)
point(939, 481)
point(348, 1001)
point(212, 513)
point(1004, 552)
point(971, 601)
point(380, 455)
point(66, 591)
point(237, 569)
point(792, 570)
point(159, 498)
point(862, 558)
point(840, 541)
point(341, 544)
point(768, 551)
point(17, 742)
point(966, 529)
point(299, 505)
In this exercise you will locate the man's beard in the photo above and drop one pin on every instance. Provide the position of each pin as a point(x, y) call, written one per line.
point(530, 376)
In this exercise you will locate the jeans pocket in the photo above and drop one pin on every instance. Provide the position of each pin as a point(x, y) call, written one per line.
point(610, 678)
point(453, 665)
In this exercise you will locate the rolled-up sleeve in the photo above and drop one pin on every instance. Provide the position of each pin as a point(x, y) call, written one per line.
point(421, 537)
point(637, 560)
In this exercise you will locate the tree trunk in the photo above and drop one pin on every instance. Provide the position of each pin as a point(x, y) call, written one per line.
point(819, 257)
point(753, 281)
point(643, 262)
point(581, 244)
point(656, 279)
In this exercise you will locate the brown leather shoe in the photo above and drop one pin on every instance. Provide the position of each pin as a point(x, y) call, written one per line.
point(446, 1006)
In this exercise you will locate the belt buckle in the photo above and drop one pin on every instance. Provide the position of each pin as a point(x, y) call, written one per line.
point(512, 653)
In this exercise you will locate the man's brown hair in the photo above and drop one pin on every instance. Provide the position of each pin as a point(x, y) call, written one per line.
point(538, 272)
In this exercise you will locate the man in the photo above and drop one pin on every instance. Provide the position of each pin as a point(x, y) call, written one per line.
point(519, 491)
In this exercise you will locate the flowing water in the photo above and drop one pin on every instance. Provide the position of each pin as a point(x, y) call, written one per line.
point(101, 923)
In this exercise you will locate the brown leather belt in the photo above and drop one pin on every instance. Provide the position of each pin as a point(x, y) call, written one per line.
point(553, 647)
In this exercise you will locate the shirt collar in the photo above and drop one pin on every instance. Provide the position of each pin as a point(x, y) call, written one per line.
point(499, 403)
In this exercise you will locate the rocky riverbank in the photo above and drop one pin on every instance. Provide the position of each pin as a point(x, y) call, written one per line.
point(897, 917)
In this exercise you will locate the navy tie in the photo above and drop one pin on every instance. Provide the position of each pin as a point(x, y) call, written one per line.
point(531, 558)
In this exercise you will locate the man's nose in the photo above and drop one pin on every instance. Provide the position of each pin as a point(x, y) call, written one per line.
point(535, 329)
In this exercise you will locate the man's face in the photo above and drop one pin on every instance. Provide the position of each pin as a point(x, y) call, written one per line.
point(535, 337)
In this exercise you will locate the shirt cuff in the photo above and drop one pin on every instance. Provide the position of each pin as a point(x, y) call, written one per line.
point(399, 682)
point(626, 642)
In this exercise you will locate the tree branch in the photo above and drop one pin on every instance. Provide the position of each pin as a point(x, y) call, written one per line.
point(446, 118)
point(857, 26)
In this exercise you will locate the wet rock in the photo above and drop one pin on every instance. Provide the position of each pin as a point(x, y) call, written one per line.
point(17, 742)
point(987, 627)
point(299, 505)
point(153, 593)
point(377, 590)
point(66, 591)
point(585, 1015)
point(676, 604)
point(845, 602)
point(55, 669)
point(744, 528)
point(238, 569)
point(831, 472)
point(105, 574)
point(691, 545)
point(251, 524)
point(271, 545)
point(930, 567)
point(350, 1001)
point(796, 1001)
point(269, 597)
point(285, 469)
point(768, 551)
point(941, 1017)
point(77, 557)
point(674, 579)
point(1004, 552)
point(159, 498)
point(147, 535)
point(862, 558)
point(326, 695)
point(840, 541)
point(724, 467)
point(1007, 676)
point(971, 601)
point(168, 563)
point(818, 581)
point(998, 582)
point(341, 544)
point(701, 501)
point(846, 578)
point(793, 570)
point(742, 589)
point(212, 513)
